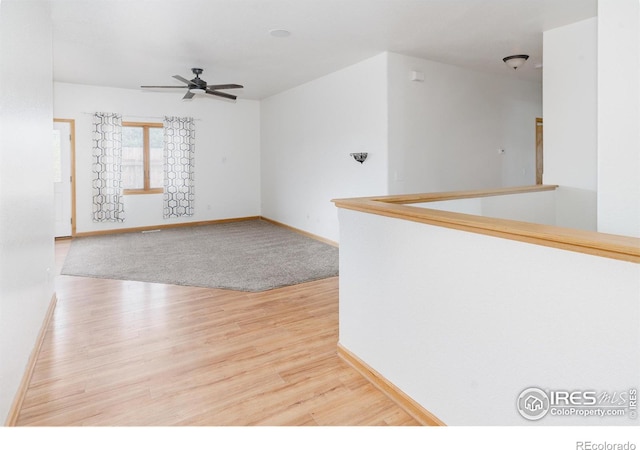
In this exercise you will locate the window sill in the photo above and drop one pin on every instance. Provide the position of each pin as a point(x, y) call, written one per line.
point(143, 191)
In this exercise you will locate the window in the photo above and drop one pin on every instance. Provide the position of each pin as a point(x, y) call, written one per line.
point(142, 158)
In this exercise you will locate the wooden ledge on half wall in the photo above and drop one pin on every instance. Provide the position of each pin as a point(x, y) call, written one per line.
point(623, 248)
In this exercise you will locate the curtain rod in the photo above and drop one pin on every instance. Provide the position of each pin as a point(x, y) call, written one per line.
point(138, 117)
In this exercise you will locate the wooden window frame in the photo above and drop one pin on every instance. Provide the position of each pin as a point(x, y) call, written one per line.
point(147, 189)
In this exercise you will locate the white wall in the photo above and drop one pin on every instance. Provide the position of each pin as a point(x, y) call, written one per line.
point(463, 322)
point(445, 132)
point(227, 159)
point(570, 118)
point(307, 135)
point(533, 207)
point(619, 117)
point(464, 206)
point(442, 134)
point(26, 186)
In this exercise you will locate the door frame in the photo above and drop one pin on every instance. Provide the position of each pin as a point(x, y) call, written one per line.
point(539, 150)
point(72, 160)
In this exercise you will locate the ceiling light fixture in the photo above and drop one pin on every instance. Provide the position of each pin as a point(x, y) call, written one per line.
point(280, 33)
point(515, 61)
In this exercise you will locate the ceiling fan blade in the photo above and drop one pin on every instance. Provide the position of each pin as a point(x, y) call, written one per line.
point(221, 94)
point(188, 96)
point(184, 80)
point(214, 87)
point(172, 87)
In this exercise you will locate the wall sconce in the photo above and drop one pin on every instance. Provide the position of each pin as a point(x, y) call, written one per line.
point(360, 157)
point(515, 61)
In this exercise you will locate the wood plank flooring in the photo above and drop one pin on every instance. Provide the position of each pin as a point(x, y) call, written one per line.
point(130, 353)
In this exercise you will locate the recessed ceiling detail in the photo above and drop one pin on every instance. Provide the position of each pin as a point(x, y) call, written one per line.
point(279, 33)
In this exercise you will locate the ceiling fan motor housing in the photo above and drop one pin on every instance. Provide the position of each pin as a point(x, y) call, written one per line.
point(197, 81)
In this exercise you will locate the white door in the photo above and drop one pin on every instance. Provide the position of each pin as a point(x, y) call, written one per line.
point(62, 176)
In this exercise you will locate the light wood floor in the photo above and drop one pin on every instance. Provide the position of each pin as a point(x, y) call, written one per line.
point(133, 353)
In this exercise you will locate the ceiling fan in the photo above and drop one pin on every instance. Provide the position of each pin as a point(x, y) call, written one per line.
point(199, 85)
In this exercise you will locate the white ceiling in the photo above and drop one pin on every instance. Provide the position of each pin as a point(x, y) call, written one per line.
point(144, 42)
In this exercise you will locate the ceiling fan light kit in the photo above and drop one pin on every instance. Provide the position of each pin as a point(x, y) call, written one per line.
point(198, 85)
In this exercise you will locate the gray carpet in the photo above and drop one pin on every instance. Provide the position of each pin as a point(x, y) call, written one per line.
point(248, 256)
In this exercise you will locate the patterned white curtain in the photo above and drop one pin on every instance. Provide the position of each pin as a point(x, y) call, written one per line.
point(107, 168)
point(179, 150)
